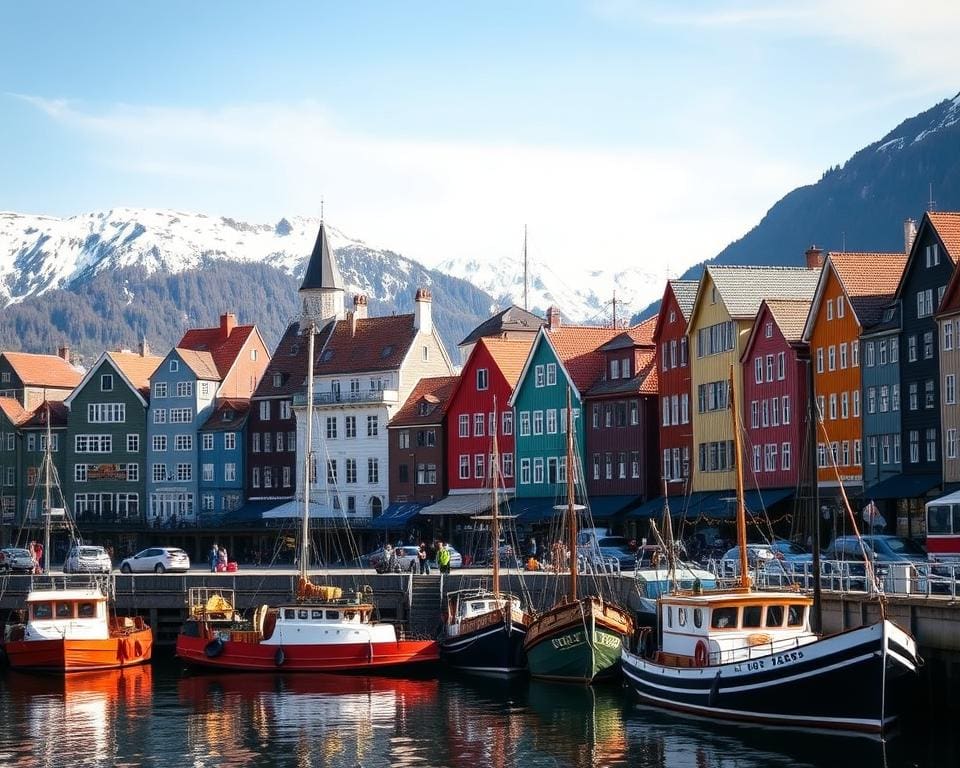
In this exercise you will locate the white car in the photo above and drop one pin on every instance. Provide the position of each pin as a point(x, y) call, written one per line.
point(87, 559)
point(157, 560)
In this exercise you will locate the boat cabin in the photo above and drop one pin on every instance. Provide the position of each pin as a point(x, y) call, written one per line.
point(66, 613)
point(701, 630)
point(469, 610)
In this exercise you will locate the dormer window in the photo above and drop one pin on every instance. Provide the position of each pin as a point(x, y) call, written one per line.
point(625, 368)
point(424, 408)
point(227, 416)
point(277, 379)
point(614, 369)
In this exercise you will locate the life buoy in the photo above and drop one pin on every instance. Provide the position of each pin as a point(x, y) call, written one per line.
point(214, 648)
point(279, 657)
point(701, 656)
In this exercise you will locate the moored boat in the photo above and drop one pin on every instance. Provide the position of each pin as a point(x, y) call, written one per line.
point(750, 655)
point(72, 629)
point(484, 629)
point(580, 637)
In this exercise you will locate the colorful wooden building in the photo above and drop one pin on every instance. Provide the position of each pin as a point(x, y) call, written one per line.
point(31, 379)
point(947, 227)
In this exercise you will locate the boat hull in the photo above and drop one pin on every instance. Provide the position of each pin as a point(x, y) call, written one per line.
point(76, 655)
point(851, 681)
point(577, 642)
point(495, 649)
point(291, 657)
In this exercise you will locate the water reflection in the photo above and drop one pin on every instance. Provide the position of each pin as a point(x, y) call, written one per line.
point(84, 714)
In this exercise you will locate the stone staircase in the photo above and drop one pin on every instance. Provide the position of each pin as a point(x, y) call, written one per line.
point(427, 605)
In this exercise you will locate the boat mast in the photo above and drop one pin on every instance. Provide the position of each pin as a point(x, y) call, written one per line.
point(812, 468)
point(738, 466)
point(308, 460)
point(495, 509)
point(47, 458)
point(571, 510)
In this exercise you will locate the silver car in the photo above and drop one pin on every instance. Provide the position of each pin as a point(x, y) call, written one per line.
point(87, 559)
point(157, 560)
point(16, 559)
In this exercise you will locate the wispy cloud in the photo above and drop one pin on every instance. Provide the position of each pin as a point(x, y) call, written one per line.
point(439, 199)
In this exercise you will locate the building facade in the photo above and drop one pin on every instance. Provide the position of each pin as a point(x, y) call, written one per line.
point(222, 440)
point(32, 379)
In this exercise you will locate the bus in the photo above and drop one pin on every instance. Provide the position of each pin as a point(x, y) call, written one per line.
point(943, 528)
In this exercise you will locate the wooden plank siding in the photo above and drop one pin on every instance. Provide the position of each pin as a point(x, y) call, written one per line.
point(675, 409)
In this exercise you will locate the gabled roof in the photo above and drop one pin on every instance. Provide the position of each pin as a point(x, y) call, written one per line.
point(643, 382)
point(59, 414)
point(947, 228)
point(13, 410)
point(509, 355)
point(869, 281)
point(136, 368)
point(790, 318)
point(201, 363)
point(684, 293)
point(640, 335)
point(743, 288)
point(43, 370)
point(229, 414)
point(428, 402)
point(322, 271)
point(224, 349)
point(377, 344)
point(289, 363)
point(512, 319)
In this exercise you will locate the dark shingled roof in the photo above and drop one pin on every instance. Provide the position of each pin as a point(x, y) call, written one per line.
point(322, 271)
point(512, 319)
point(685, 292)
point(434, 394)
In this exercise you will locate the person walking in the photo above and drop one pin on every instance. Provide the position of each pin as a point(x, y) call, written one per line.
point(422, 559)
point(443, 557)
point(222, 559)
point(214, 557)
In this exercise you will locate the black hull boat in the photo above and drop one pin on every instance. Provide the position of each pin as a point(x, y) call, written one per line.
point(849, 681)
point(490, 643)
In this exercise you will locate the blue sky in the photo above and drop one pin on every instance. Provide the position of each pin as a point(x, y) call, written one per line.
point(440, 129)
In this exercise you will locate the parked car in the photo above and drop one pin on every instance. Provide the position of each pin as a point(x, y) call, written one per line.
point(405, 556)
point(83, 558)
point(158, 560)
point(608, 552)
point(879, 548)
point(16, 560)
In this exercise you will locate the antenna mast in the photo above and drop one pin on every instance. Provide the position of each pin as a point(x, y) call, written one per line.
point(525, 304)
point(614, 307)
point(931, 203)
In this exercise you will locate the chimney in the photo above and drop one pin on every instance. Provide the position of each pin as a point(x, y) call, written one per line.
point(553, 318)
point(144, 347)
point(360, 306)
point(228, 321)
point(814, 257)
point(421, 311)
point(64, 352)
point(909, 235)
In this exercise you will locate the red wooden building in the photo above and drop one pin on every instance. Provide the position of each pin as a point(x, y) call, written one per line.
point(775, 361)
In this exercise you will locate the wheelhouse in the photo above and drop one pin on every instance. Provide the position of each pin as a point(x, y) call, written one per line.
point(943, 527)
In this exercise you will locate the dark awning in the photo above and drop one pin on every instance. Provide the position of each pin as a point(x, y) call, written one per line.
point(464, 504)
point(535, 509)
point(251, 512)
point(603, 507)
point(691, 506)
point(757, 501)
point(903, 486)
point(396, 515)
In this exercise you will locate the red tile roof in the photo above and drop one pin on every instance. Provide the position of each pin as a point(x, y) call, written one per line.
point(947, 224)
point(235, 409)
point(870, 280)
point(790, 316)
point(642, 333)
point(44, 370)
point(137, 368)
point(579, 349)
point(13, 410)
point(509, 356)
point(38, 418)
point(434, 392)
point(223, 348)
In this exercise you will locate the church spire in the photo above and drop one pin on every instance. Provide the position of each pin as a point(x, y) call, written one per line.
point(322, 291)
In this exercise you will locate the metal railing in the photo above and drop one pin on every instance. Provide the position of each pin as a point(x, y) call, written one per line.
point(345, 398)
point(936, 580)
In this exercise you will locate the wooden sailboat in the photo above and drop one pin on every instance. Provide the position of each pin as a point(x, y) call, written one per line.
point(319, 630)
point(484, 630)
point(579, 638)
point(70, 625)
point(751, 655)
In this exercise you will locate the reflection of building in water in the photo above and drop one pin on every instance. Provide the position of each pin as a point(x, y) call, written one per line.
point(324, 719)
point(84, 713)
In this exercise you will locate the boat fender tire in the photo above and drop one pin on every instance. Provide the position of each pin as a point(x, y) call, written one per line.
point(279, 657)
point(137, 649)
point(701, 656)
point(214, 648)
point(123, 650)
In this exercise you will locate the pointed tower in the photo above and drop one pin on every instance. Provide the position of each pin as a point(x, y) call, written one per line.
point(321, 292)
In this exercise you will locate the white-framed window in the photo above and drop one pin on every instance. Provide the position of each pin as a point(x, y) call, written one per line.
point(208, 473)
point(785, 456)
point(464, 466)
point(781, 366)
point(947, 335)
point(106, 413)
point(758, 370)
point(855, 354)
point(255, 477)
point(872, 450)
point(538, 470)
point(507, 459)
point(286, 409)
point(159, 443)
point(183, 442)
point(80, 473)
point(819, 359)
point(525, 471)
point(843, 356)
point(478, 424)
point(785, 404)
point(373, 426)
point(133, 443)
point(349, 429)
point(184, 473)
point(174, 366)
point(525, 423)
point(911, 349)
point(840, 301)
point(856, 403)
point(832, 358)
point(230, 441)
point(159, 473)
point(551, 374)
point(106, 382)
point(159, 389)
point(551, 421)
point(230, 472)
point(373, 470)
point(870, 356)
point(479, 466)
point(160, 416)
point(350, 471)
point(769, 367)
point(483, 378)
point(950, 389)
point(932, 444)
point(184, 389)
point(93, 443)
point(538, 422)
point(951, 443)
point(506, 423)
point(540, 376)
point(181, 415)
point(206, 502)
point(844, 405)
point(207, 441)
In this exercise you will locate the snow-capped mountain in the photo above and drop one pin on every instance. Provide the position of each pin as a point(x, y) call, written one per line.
point(40, 253)
point(584, 297)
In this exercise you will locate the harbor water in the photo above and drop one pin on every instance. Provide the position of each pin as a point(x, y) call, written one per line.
point(160, 715)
